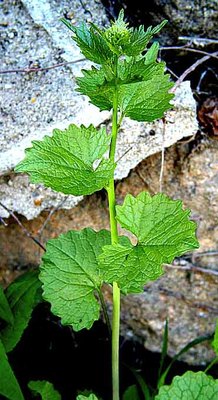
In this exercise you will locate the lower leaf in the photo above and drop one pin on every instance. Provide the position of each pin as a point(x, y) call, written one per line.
point(23, 294)
point(9, 387)
point(71, 278)
point(44, 389)
point(190, 386)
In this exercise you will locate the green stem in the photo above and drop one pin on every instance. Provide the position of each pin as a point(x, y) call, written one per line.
point(114, 240)
point(115, 341)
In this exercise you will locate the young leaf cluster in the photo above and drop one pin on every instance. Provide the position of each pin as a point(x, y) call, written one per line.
point(141, 84)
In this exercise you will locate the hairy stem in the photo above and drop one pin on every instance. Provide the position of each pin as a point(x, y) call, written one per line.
point(114, 240)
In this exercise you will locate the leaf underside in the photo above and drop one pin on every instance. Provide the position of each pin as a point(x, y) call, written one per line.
point(66, 161)
point(163, 230)
point(190, 386)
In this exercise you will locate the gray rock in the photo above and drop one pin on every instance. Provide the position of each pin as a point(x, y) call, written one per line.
point(134, 144)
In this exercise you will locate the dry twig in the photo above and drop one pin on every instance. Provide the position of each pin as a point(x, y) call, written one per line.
point(27, 233)
point(191, 69)
point(193, 268)
point(29, 69)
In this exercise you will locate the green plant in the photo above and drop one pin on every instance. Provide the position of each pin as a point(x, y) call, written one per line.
point(148, 393)
point(129, 81)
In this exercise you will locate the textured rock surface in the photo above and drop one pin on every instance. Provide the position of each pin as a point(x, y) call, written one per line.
point(36, 103)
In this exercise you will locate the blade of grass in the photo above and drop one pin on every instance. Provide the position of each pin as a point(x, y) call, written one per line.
point(191, 344)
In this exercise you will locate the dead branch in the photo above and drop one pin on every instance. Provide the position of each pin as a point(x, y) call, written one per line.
point(192, 268)
point(198, 40)
point(191, 69)
point(189, 49)
point(29, 70)
point(27, 233)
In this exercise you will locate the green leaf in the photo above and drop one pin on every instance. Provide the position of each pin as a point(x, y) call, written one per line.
point(94, 84)
point(91, 42)
point(5, 311)
point(163, 230)
point(23, 295)
point(66, 161)
point(190, 386)
point(131, 393)
point(215, 339)
point(139, 38)
point(44, 389)
point(90, 397)
point(70, 276)
point(9, 386)
point(143, 88)
point(146, 100)
point(152, 53)
point(118, 35)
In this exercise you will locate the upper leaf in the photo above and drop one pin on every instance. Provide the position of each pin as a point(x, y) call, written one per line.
point(190, 386)
point(139, 38)
point(23, 295)
point(70, 276)
point(66, 161)
point(163, 230)
point(45, 390)
point(91, 42)
point(146, 100)
point(95, 85)
point(142, 86)
point(5, 310)
point(9, 386)
point(138, 81)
